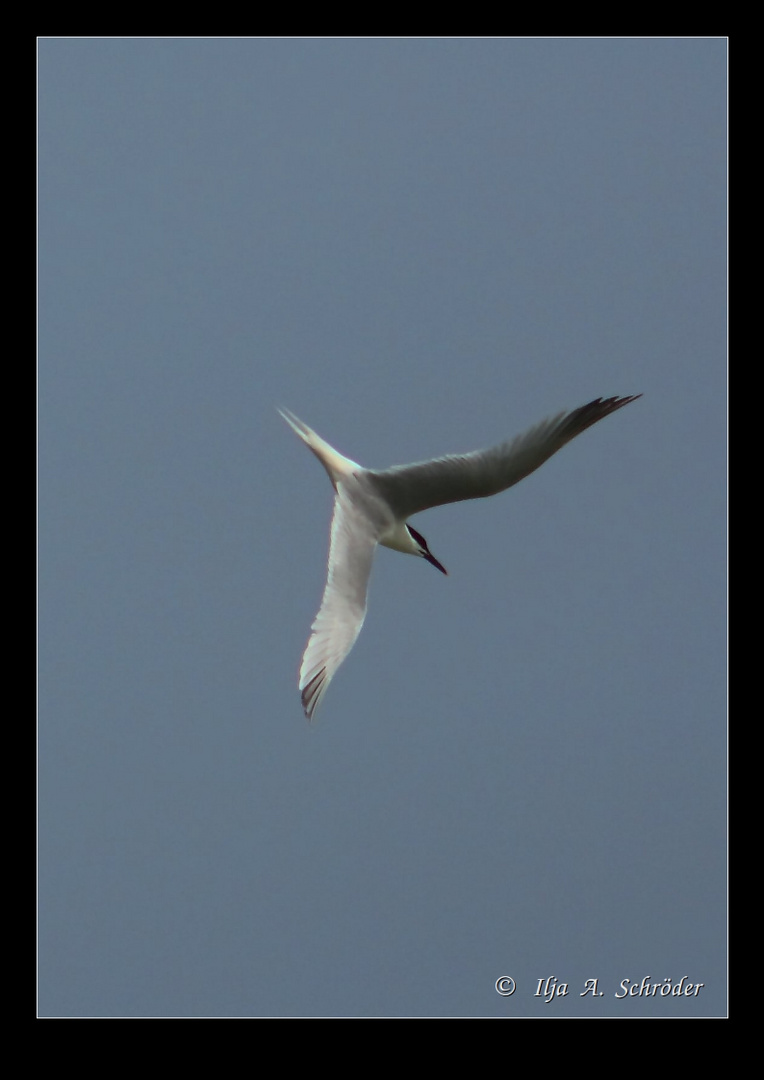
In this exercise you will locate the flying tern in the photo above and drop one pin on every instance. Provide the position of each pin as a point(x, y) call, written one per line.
point(372, 507)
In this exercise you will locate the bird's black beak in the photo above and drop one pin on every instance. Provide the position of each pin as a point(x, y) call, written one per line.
point(431, 559)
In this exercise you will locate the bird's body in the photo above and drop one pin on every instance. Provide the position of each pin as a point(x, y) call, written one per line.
point(372, 507)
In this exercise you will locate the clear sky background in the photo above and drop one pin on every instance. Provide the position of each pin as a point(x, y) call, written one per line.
point(420, 247)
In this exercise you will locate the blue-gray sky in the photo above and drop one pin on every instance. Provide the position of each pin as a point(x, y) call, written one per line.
point(420, 247)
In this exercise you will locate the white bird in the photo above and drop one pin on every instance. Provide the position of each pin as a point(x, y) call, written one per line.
point(372, 508)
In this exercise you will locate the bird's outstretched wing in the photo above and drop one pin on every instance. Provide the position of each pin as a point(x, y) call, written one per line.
point(343, 608)
point(408, 489)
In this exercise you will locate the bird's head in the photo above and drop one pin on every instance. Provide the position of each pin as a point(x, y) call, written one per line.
point(422, 549)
